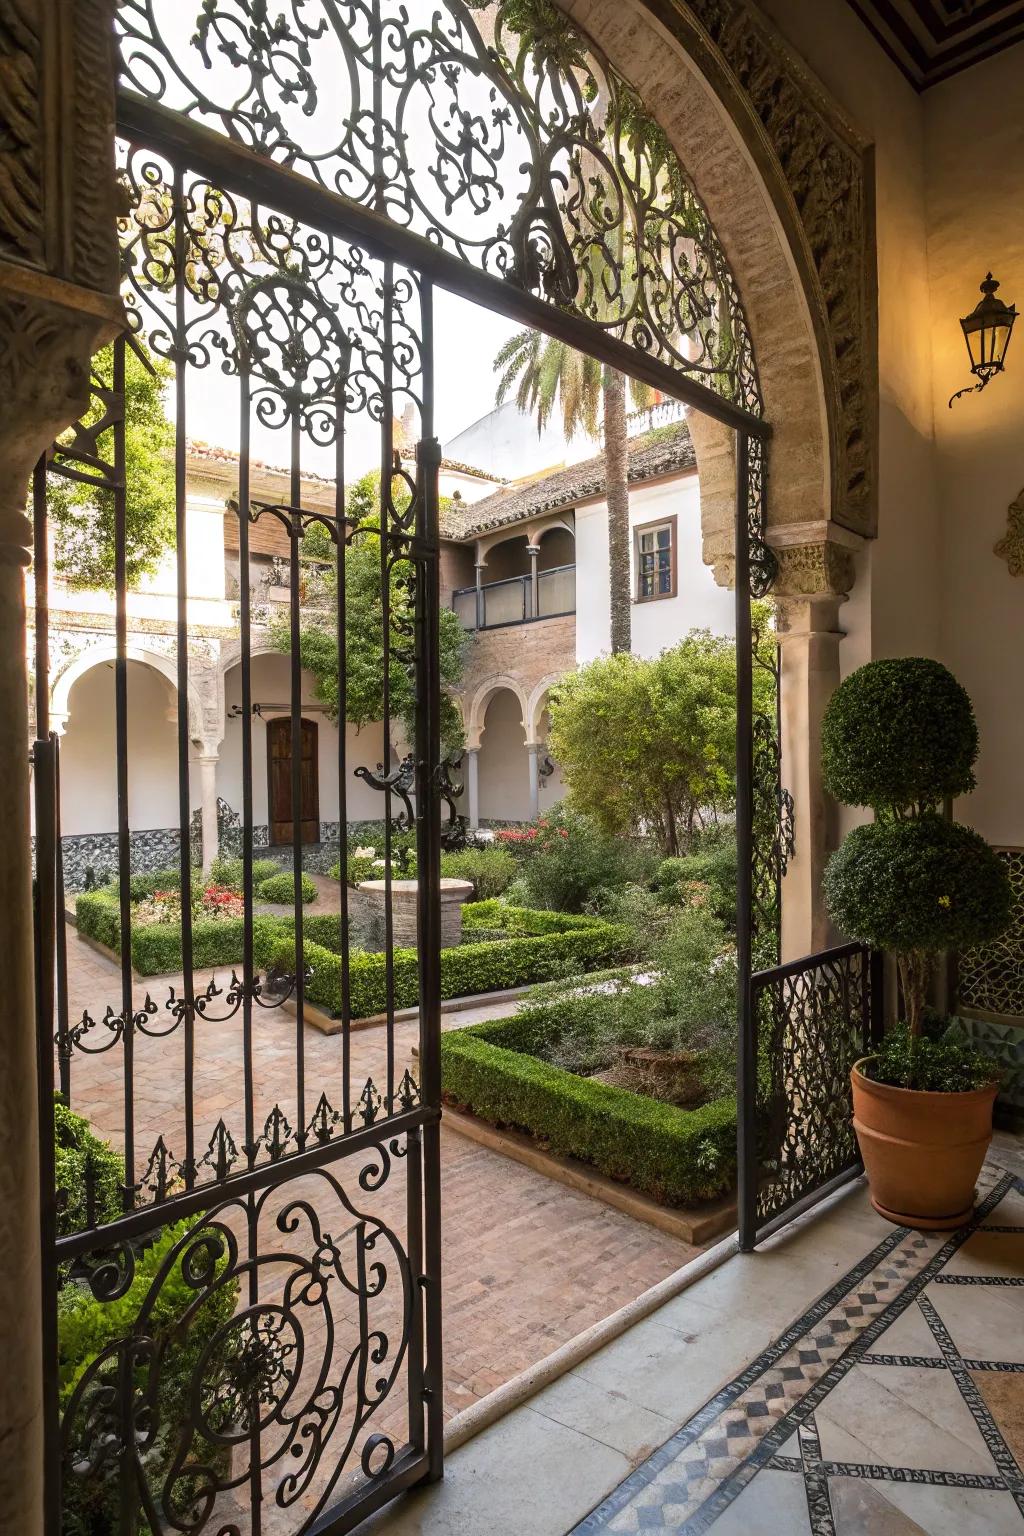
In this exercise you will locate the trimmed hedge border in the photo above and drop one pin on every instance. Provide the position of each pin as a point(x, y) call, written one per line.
point(156, 948)
point(495, 916)
point(466, 969)
point(677, 1156)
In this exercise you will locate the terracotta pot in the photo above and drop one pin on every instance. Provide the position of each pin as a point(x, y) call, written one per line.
point(922, 1151)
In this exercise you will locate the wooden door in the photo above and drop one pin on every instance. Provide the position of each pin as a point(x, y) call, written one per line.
point(279, 781)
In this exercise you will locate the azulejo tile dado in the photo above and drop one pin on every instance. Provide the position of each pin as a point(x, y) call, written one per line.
point(779, 1416)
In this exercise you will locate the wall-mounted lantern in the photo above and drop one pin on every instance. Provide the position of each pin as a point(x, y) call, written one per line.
point(987, 334)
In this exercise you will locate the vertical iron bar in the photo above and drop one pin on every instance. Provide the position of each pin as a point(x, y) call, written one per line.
point(124, 858)
point(414, 1246)
point(63, 1029)
point(45, 894)
point(248, 958)
point(184, 789)
point(386, 467)
point(428, 818)
point(295, 600)
point(245, 660)
point(746, 1059)
point(341, 615)
point(41, 579)
point(876, 962)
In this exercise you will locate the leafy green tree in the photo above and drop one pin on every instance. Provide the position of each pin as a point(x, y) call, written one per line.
point(547, 372)
point(83, 515)
point(364, 625)
point(651, 744)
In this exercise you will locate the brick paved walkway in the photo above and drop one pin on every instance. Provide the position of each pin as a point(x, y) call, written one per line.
point(528, 1264)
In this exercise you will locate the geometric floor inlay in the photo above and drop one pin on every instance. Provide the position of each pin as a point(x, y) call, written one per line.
point(894, 1406)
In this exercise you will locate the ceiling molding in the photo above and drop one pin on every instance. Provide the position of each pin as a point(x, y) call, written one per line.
point(933, 39)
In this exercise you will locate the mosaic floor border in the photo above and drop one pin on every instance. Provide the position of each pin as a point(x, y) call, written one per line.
point(685, 1486)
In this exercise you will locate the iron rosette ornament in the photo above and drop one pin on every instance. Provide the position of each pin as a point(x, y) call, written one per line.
point(274, 1329)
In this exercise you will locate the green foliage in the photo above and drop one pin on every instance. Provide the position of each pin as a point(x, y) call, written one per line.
point(491, 870)
point(652, 743)
point(322, 928)
point(676, 1156)
point(76, 1149)
point(920, 885)
point(899, 736)
point(82, 516)
point(280, 887)
point(156, 949)
point(182, 1322)
point(228, 871)
point(571, 860)
point(364, 625)
point(706, 876)
point(642, 912)
point(371, 867)
point(466, 970)
point(495, 914)
point(931, 1064)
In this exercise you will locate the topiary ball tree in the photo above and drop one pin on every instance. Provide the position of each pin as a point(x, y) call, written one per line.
point(899, 736)
point(917, 887)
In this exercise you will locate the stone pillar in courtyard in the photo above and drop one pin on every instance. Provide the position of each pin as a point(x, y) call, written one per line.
point(533, 752)
point(58, 303)
point(404, 909)
point(208, 760)
point(814, 581)
point(472, 760)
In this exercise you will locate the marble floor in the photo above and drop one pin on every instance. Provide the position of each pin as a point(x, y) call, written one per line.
point(893, 1406)
point(849, 1379)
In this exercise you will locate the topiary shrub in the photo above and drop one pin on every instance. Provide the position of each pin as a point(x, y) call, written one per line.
point(281, 888)
point(925, 884)
point(899, 736)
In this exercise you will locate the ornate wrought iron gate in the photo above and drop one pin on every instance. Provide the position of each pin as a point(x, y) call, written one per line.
point(263, 1286)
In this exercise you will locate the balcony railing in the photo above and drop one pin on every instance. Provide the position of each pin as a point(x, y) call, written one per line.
point(513, 601)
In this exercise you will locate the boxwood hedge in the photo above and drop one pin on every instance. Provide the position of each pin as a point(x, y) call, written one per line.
point(466, 969)
point(674, 1155)
point(156, 948)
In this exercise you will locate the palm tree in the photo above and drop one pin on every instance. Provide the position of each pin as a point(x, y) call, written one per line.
point(545, 372)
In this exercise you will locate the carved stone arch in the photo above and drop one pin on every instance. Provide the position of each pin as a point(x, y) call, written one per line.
point(537, 703)
point(477, 709)
point(785, 181)
point(106, 651)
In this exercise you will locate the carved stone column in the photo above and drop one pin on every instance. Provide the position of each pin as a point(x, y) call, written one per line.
point(58, 302)
point(814, 581)
point(209, 757)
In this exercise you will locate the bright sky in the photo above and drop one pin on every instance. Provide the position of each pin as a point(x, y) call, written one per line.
point(466, 339)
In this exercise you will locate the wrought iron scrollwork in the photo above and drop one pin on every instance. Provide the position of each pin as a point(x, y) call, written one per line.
point(284, 1383)
point(454, 827)
point(813, 1021)
point(515, 146)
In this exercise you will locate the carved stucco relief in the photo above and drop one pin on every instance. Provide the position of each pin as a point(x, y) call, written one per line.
point(825, 165)
point(1011, 546)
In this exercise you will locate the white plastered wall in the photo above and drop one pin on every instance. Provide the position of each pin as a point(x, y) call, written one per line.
point(504, 774)
point(88, 771)
point(699, 602)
